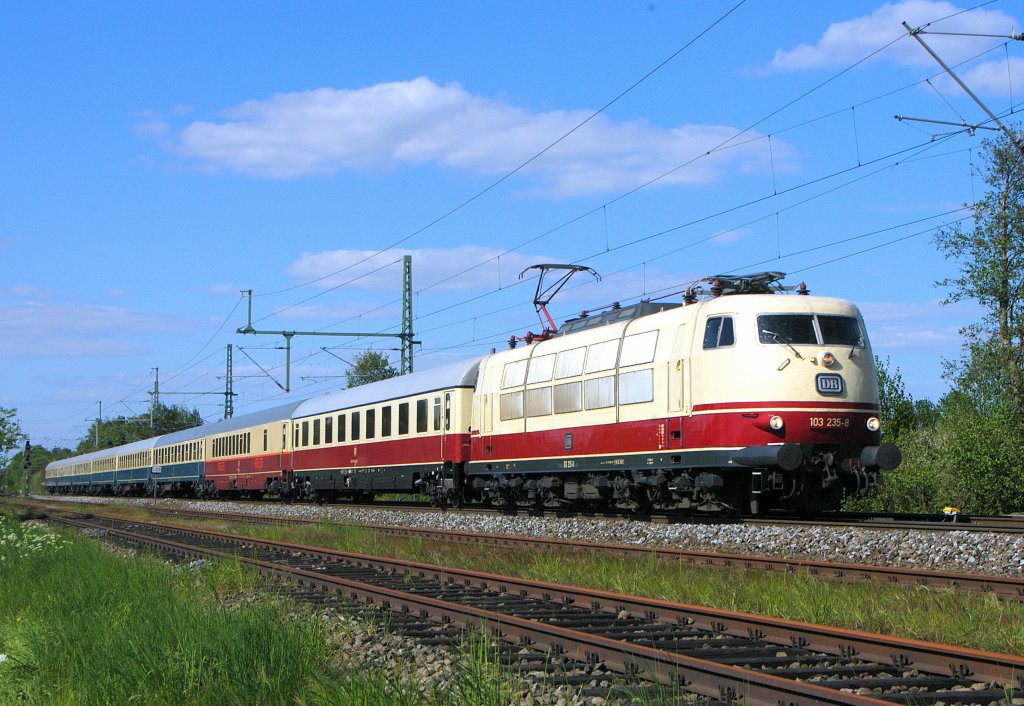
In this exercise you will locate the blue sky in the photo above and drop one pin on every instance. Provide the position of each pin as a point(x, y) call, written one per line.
point(156, 159)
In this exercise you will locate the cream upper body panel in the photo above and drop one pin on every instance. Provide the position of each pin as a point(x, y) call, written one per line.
point(661, 365)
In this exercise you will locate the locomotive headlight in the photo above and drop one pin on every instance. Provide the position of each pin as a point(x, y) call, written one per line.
point(828, 360)
point(874, 424)
point(776, 423)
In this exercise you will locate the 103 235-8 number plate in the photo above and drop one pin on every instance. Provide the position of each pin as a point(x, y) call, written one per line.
point(830, 422)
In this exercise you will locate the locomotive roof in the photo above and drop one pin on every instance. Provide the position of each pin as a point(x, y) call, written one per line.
point(633, 311)
point(461, 374)
point(244, 421)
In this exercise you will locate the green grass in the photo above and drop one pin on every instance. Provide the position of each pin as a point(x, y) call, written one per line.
point(81, 625)
point(945, 616)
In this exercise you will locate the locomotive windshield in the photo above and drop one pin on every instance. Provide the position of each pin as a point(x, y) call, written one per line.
point(808, 329)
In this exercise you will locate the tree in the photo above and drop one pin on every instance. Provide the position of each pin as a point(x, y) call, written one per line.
point(14, 474)
point(991, 260)
point(124, 430)
point(370, 366)
point(10, 437)
point(10, 431)
point(896, 408)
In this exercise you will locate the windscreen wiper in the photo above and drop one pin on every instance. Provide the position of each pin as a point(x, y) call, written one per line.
point(778, 337)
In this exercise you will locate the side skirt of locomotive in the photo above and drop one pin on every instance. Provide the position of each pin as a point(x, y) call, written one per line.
point(754, 479)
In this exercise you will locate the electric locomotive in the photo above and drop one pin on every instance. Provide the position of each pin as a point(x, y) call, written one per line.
point(737, 401)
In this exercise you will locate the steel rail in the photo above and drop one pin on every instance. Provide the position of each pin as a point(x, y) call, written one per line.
point(929, 657)
point(1009, 524)
point(697, 675)
point(1004, 587)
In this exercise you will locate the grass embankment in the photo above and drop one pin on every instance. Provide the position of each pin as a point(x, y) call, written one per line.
point(82, 625)
point(946, 616)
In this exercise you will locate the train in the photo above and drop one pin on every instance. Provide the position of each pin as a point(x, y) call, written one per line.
point(743, 397)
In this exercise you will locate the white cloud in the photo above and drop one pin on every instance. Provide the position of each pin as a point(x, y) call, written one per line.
point(34, 329)
point(441, 269)
point(925, 326)
point(995, 78)
point(849, 41)
point(219, 289)
point(26, 291)
point(726, 237)
point(417, 122)
point(349, 312)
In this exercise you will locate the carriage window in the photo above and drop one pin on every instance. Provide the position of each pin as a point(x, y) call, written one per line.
point(538, 402)
point(328, 430)
point(570, 363)
point(403, 418)
point(437, 414)
point(385, 421)
point(305, 433)
point(541, 368)
point(718, 332)
point(266, 438)
point(371, 423)
point(786, 329)
point(638, 348)
point(601, 356)
point(316, 432)
point(421, 416)
point(636, 387)
point(511, 406)
point(355, 426)
point(341, 427)
point(600, 392)
point(514, 374)
point(295, 444)
point(840, 330)
point(568, 397)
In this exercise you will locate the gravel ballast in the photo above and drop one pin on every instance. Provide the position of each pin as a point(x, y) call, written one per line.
point(965, 551)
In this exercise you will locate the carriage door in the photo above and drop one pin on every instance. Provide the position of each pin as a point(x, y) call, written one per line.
point(443, 423)
point(677, 387)
point(282, 461)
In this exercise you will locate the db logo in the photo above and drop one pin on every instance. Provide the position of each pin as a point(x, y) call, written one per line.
point(830, 384)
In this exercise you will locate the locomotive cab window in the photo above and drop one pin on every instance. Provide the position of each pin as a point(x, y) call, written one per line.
point(840, 330)
point(719, 332)
point(786, 329)
point(809, 329)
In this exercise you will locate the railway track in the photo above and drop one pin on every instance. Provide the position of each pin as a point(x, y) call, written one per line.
point(1003, 587)
point(718, 654)
point(938, 522)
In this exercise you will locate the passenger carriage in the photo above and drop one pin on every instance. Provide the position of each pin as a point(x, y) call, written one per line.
point(249, 455)
point(405, 434)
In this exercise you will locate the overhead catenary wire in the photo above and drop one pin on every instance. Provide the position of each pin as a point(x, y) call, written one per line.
point(604, 205)
point(508, 175)
point(727, 144)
